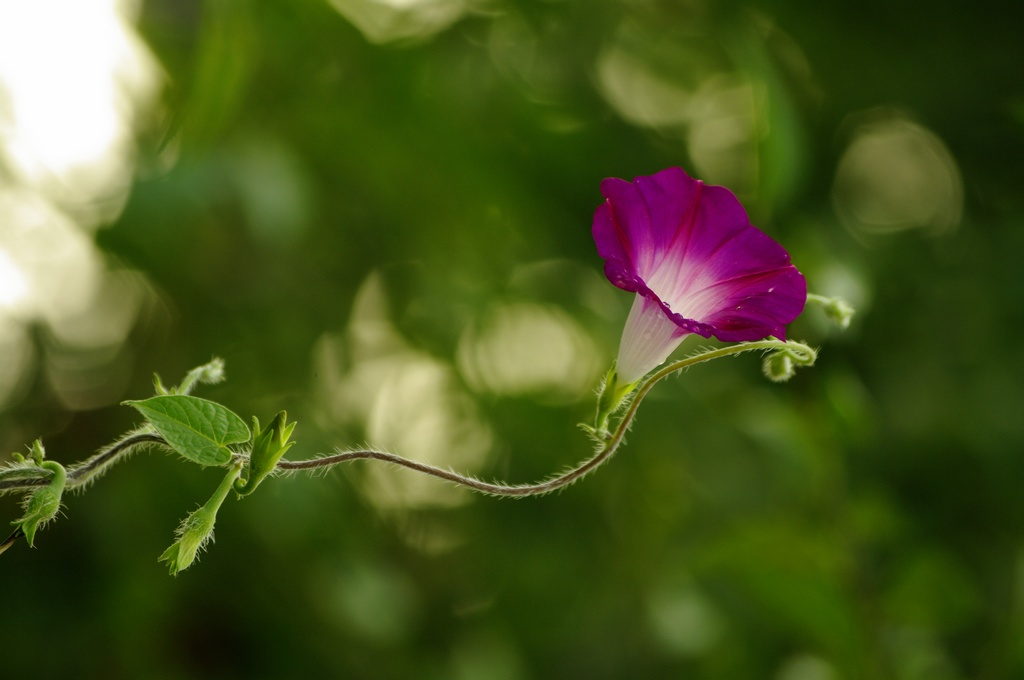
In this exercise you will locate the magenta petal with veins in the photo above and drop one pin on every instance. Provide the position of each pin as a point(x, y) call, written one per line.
point(697, 265)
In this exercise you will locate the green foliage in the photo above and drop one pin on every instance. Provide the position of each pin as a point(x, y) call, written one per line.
point(863, 521)
point(198, 429)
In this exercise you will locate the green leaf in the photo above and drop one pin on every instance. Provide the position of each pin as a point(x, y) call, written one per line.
point(198, 429)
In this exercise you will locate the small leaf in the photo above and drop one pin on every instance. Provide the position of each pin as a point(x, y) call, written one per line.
point(198, 429)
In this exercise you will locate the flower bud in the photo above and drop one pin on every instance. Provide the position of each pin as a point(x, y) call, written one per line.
point(839, 312)
point(43, 505)
point(197, 529)
point(193, 534)
point(267, 448)
point(610, 398)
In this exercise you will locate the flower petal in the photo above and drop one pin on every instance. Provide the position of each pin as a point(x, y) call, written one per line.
point(624, 236)
point(648, 337)
point(691, 251)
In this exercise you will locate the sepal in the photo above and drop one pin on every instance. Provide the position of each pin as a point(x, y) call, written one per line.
point(268, 446)
point(610, 397)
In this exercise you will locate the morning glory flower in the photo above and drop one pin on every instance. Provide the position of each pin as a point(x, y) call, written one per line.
point(697, 265)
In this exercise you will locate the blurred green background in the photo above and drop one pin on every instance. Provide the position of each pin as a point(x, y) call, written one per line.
point(378, 212)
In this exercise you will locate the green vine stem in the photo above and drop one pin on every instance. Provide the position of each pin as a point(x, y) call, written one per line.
point(608, 441)
point(79, 475)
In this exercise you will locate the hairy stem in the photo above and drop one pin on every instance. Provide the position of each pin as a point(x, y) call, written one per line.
point(801, 354)
point(81, 474)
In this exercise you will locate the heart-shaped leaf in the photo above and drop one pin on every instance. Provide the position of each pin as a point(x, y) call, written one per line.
point(198, 429)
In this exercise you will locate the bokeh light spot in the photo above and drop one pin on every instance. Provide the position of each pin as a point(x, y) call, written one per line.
point(16, 351)
point(724, 133)
point(639, 95)
point(13, 285)
point(74, 74)
point(525, 348)
point(404, 399)
point(75, 84)
point(897, 175)
point(684, 621)
point(386, 21)
point(690, 97)
point(806, 667)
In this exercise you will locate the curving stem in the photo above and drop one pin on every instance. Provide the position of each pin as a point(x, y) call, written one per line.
point(800, 353)
point(609, 441)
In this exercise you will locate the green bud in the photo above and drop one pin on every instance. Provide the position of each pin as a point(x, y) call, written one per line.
point(839, 312)
point(193, 535)
point(610, 397)
point(197, 529)
point(158, 385)
point(836, 309)
point(38, 452)
point(210, 374)
point(42, 506)
point(267, 448)
point(778, 366)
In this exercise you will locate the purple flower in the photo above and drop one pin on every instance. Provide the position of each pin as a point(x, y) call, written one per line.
point(697, 265)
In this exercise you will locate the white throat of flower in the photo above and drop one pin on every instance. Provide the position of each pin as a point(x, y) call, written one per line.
point(647, 339)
